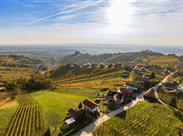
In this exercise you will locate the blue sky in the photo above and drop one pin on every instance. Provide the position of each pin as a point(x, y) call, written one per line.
point(91, 21)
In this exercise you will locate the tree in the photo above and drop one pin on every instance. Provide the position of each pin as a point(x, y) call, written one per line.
point(153, 75)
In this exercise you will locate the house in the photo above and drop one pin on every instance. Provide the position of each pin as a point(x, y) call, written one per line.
point(2, 87)
point(150, 95)
point(88, 65)
point(125, 74)
point(115, 97)
point(128, 68)
point(110, 94)
point(117, 66)
point(75, 115)
point(72, 117)
point(170, 86)
point(125, 91)
point(110, 66)
point(72, 66)
point(146, 76)
point(139, 69)
point(166, 70)
point(131, 86)
point(101, 65)
point(90, 106)
point(119, 98)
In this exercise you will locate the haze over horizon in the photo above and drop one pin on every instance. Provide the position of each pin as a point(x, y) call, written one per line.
point(156, 22)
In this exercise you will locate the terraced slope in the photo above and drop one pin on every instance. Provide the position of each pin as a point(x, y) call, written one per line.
point(154, 120)
point(28, 119)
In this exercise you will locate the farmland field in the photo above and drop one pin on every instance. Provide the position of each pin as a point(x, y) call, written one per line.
point(12, 73)
point(108, 78)
point(172, 99)
point(144, 119)
point(163, 60)
point(55, 104)
point(27, 120)
point(6, 114)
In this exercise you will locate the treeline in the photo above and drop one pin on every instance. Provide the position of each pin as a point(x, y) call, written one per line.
point(28, 84)
point(34, 82)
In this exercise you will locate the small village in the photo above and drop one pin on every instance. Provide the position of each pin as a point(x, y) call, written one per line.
point(108, 100)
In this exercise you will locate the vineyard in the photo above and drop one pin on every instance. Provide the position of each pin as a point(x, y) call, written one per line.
point(28, 119)
point(152, 120)
point(95, 80)
point(172, 99)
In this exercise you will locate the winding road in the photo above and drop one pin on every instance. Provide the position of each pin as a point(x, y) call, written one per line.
point(88, 130)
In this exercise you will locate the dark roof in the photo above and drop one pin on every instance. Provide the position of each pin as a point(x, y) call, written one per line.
point(73, 113)
point(89, 103)
point(170, 85)
point(120, 95)
point(111, 93)
point(131, 84)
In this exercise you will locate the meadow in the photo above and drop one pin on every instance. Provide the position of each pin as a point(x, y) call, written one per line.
point(56, 103)
point(144, 119)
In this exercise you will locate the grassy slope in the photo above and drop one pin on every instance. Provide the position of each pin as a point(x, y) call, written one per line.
point(162, 124)
point(6, 113)
point(163, 60)
point(55, 104)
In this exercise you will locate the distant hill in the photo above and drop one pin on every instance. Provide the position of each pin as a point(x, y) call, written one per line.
point(18, 61)
point(13, 67)
point(132, 57)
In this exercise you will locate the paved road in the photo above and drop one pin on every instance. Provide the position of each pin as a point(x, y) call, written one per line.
point(87, 131)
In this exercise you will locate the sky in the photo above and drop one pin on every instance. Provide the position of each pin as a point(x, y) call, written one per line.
point(146, 22)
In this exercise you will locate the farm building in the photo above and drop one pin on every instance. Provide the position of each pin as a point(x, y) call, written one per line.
point(90, 106)
point(131, 86)
point(125, 74)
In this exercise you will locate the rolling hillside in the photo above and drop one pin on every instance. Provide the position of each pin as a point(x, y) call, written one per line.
point(79, 58)
point(13, 66)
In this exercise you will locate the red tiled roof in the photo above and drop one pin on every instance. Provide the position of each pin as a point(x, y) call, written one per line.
point(89, 103)
point(150, 93)
point(126, 91)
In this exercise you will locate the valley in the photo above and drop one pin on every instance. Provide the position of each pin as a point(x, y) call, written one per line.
point(47, 97)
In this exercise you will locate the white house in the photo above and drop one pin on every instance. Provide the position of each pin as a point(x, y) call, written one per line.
point(90, 106)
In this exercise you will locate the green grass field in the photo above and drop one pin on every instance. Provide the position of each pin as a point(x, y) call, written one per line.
point(6, 114)
point(144, 119)
point(55, 104)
